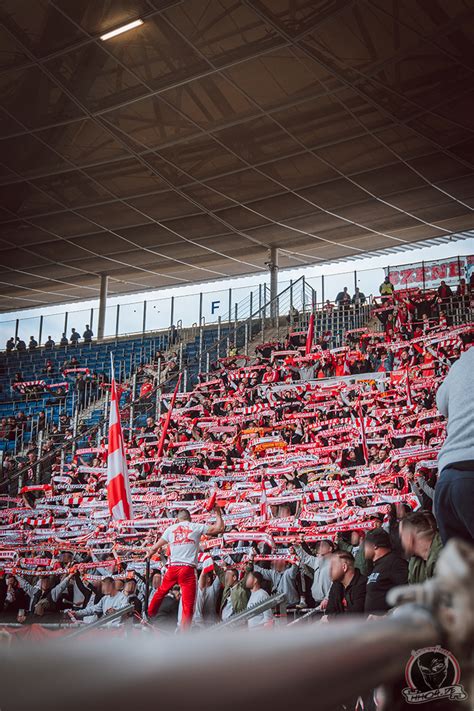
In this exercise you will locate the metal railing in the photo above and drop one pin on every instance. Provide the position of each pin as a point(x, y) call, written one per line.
point(242, 618)
point(103, 621)
point(152, 315)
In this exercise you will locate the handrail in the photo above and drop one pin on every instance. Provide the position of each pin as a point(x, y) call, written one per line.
point(264, 307)
point(246, 615)
point(102, 621)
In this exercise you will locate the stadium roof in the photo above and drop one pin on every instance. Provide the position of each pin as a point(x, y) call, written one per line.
point(181, 150)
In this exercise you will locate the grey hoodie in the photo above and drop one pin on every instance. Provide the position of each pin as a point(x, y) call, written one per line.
point(455, 400)
point(322, 579)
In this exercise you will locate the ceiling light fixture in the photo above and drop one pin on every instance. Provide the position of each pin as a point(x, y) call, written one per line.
point(119, 30)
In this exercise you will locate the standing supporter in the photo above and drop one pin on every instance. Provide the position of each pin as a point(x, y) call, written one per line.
point(358, 299)
point(45, 596)
point(386, 289)
point(257, 596)
point(20, 345)
point(454, 491)
point(10, 345)
point(15, 598)
point(444, 291)
point(183, 538)
point(234, 595)
point(343, 299)
point(320, 564)
point(64, 341)
point(111, 601)
point(87, 335)
point(422, 542)
point(33, 343)
point(205, 612)
point(49, 345)
point(166, 618)
point(74, 337)
point(348, 589)
point(282, 578)
point(389, 570)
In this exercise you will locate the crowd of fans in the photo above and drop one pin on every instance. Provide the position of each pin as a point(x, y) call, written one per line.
point(320, 490)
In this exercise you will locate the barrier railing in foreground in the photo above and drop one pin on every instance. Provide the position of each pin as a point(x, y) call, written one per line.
point(243, 617)
point(102, 621)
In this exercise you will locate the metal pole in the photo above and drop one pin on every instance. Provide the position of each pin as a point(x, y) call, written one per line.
point(200, 308)
point(147, 586)
point(273, 269)
point(303, 293)
point(230, 306)
point(40, 454)
point(17, 324)
point(322, 289)
point(423, 272)
point(117, 321)
point(104, 283)
point(236, 308)
point(132, 398)
point(172, 311)
point(218, 337)
point(40, 331)
point(158, 391)
point(144, 317)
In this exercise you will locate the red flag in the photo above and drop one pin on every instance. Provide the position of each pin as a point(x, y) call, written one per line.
point(310, 335)
point(166, 424)
point(118, 484)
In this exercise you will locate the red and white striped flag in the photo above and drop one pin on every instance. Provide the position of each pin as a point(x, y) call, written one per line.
point(205, 562)
point(310, 335)
point(118, 484)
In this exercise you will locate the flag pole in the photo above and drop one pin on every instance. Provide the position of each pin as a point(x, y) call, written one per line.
point(168, 419)
point(147, 586)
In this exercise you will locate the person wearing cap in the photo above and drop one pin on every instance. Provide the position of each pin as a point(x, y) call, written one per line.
point(389, 570)
point(454, 491)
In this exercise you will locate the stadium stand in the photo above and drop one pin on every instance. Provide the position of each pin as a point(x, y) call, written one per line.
point(304, 443)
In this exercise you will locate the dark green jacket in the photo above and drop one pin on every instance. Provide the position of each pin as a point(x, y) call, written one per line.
point(238, 593)
point(420, 570)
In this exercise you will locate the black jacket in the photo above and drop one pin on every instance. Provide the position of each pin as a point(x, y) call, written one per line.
point(350, 599)
point(388, 572)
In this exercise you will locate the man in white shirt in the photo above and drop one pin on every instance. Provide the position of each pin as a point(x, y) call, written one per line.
point(110, 602)
point(257, 596)
point(183, 539)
